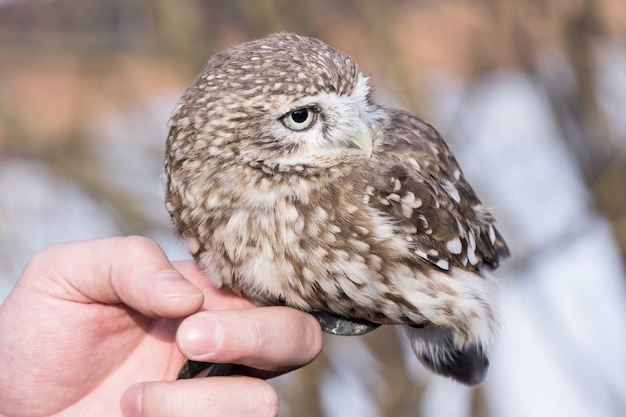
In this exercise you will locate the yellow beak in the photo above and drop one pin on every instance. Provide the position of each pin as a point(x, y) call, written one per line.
point(362, 138)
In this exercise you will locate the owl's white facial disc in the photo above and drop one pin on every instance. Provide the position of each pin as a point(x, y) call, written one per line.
point(325, 125)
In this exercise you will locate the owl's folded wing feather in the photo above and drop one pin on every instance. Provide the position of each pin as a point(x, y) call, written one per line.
point(415, 180)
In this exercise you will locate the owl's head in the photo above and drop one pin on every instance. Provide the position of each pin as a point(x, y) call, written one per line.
point(284, 103)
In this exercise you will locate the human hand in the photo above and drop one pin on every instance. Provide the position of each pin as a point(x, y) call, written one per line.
point(87, 320)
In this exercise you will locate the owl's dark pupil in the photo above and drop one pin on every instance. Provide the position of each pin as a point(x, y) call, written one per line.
point(299, 115)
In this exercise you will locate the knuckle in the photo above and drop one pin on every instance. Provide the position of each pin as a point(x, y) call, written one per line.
point(46, 259)
point(137, 245)
point(42, 258)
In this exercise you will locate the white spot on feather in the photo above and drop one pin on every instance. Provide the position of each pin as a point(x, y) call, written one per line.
point(407, 211)
point(334, 228)
point(360, 246)
point(492, 234)
point(471, 256)
point(443, 264)
point(192, 244)
point(452, 191)
point(472, 240)
point(421, 253)
point(321, 214)
point(290, 213)
point(454, 246)
point(409, 199)
point(351, 208)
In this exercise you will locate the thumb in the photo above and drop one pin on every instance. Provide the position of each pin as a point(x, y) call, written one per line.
point(129, 270)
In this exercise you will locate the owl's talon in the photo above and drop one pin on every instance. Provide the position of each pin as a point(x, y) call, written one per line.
point(192, 369)
point(343, 326)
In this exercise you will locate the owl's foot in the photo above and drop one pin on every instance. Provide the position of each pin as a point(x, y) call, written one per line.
point(193, 368)
point(343, 326)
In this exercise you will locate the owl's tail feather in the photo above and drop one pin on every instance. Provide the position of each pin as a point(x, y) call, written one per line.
point(436, 350)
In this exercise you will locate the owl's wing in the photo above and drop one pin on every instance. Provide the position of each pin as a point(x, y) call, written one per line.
point(415, 180)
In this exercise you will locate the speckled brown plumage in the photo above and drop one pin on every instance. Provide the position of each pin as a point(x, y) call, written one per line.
point(290, 186)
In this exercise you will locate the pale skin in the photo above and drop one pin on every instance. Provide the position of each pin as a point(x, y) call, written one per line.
point(102, 327)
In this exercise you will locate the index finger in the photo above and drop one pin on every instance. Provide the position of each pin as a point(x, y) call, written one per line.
point(129, 270)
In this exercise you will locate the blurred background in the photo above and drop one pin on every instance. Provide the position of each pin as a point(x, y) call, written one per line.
point(531, 96)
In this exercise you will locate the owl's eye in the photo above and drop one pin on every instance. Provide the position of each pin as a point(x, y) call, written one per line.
point(300, 119)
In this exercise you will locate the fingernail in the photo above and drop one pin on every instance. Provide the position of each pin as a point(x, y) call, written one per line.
point(200, 335)
point(131, 401)
point(172, 284)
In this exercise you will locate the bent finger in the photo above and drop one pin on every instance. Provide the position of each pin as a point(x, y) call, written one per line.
point(130, 270)
point(266, 338)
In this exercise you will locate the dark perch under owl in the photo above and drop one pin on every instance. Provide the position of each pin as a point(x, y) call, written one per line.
point(290, 186)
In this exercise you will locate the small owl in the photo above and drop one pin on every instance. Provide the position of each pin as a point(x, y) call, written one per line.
point(291, 186)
